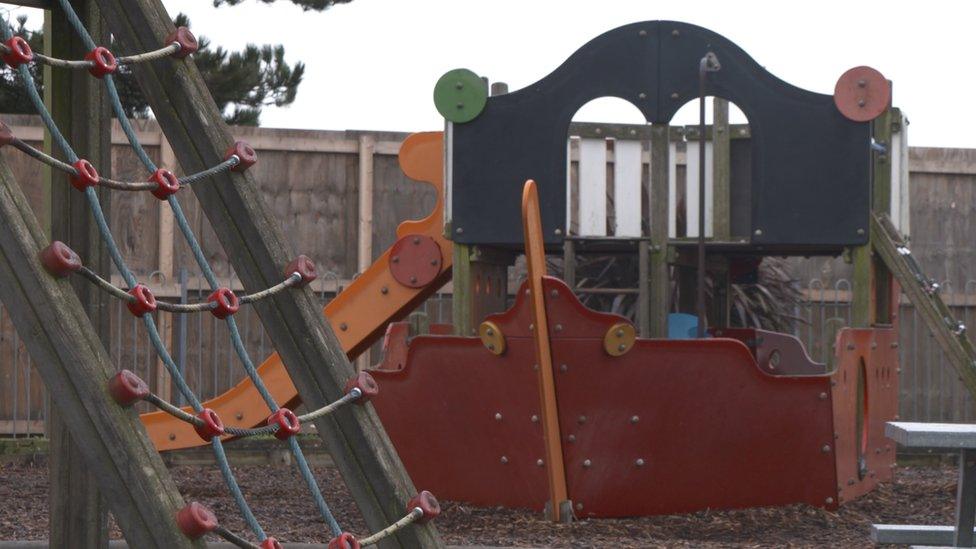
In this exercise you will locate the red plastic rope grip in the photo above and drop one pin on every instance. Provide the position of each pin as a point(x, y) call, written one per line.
point(59, 260)
point(288, 424)
point(19, 52)
point(127, 388)
point(245, 155)
point(303, 266)
point(188, 43)
point(227, 302)
point(427, 503)
point(86, 175)
point(212, 426)
point(366, 385)
point(270, 543)
point(195, 520)
point(344, 540)
point(145, 300)
point(166, 183)
point(103, 62)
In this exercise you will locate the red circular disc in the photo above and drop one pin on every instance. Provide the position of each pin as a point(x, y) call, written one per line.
point(415, 260)
point(862, 94)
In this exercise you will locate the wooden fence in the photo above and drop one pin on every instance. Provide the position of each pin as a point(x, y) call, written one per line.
point(340, 195)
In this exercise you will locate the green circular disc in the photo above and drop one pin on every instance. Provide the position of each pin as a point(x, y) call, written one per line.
point(460, 95)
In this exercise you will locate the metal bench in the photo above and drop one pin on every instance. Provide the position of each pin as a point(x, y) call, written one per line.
point(956, 436)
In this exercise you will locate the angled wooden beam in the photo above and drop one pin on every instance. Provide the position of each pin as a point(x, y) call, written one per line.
point(75, 367)
point(258, 250)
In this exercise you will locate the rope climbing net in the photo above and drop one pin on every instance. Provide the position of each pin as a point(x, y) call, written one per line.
point(126, 388)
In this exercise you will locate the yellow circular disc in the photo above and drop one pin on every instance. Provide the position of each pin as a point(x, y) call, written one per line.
point(619, 339)
point(492, 337)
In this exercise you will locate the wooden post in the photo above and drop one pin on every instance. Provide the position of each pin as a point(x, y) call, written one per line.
point(367, 147)
point(660, 283)
point(258, 251)
point(78, 514)
point(871, 283)
point(66, 349)
point(721, 171)
point(167, 234)
point(461, 298)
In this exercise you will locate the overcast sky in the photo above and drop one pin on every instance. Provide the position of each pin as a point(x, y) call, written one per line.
point(372, 64)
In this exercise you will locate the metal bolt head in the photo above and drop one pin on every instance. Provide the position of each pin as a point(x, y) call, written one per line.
point(343, 326)
point(554, 293)
point(490, 331)
point(634, 419)
point(239, 416)
point(504, 459)
point(416, 241)
point(535, 418)
point(571, 438)
point(642, 32)
point(619, 333)
point(825, 449)
point(639, 462)
point(563, 368)
point(587, 463)
point(558, 232)
point(395, 259)
point(172, 436)
point(823, 396)
point(384, 290)
point(642, 95)
point(828, 501)
point(459, 230)
point(579, 506)
point(675, 32)
point(491, 346)
point(434, 262)
point(674, 95)
point(559, 327)
point(413, 280)
point(582, 419)
point(539, 462)
point(757, 232)
point(498, 416)
point(621, 347)
point(860, 231)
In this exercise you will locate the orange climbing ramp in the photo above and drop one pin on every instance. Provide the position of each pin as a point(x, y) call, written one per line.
point(415, 267)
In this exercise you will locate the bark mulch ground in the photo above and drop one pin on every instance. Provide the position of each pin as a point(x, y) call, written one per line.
point(920, 495)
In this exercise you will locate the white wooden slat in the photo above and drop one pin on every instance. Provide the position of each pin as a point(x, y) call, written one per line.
point(692, 188)
point(627, 166)
point(593, 187)
point(672, 190)
point(900, 203)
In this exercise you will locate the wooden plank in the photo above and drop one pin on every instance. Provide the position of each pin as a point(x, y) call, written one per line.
point(167, 239)
point(560, 508)
point(721, 171)
point(592, 213)
point(258, 250)
point(627, 168)
point(77, 102)
point(660, 281)
point(75, 368)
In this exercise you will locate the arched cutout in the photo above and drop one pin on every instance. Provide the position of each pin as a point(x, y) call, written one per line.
point(606, 144)
point(732, 156)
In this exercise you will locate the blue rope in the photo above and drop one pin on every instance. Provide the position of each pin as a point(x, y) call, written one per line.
point(208, 273)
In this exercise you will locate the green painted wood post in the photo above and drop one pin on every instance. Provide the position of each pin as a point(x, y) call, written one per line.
point(866, 290)
point(660, 282)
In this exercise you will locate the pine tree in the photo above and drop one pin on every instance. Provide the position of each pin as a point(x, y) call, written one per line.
point(241, 82)
point(317, 5)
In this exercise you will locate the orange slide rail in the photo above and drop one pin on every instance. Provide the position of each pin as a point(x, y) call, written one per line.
point(359, 315)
